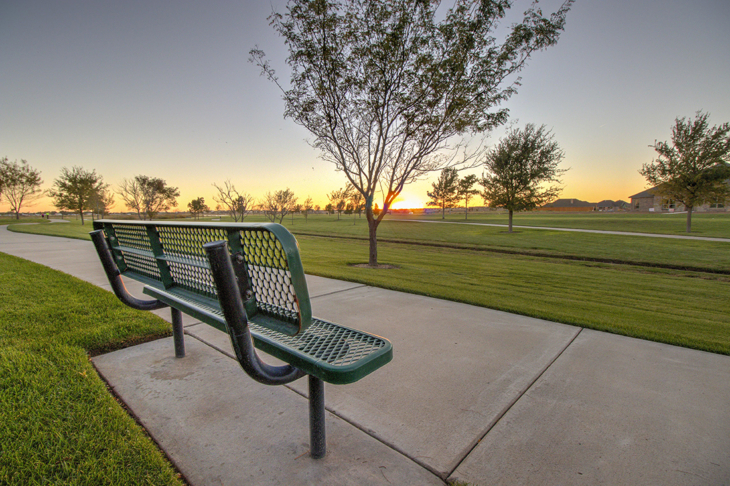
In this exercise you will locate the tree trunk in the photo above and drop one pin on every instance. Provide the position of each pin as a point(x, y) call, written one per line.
point(510, 221)
point(373, 239)
point(443, 211)
point(82, 217)
point(17, 215)
point(466, 211)
point(689, 219)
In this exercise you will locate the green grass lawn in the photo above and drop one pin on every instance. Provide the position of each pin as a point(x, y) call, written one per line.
point(713, 256)
point(683, 308)
point(6, 220)
point(60, 425)
point(703, 224)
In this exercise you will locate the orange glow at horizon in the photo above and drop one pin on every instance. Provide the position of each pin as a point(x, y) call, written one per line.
point(408, 202)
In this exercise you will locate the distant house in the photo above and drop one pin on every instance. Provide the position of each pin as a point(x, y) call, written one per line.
point(648, 200)
point(576, 205)
point(573, 205)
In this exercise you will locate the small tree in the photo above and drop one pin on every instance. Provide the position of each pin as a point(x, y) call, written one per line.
point(518, 168)
point(384, 86)
point(297, 209)
point(694, 168)
point(466, 191)
point(75, 188)
point(20, 184)
point(307, 207)
point(148, 195)
point(237, 204)
point(445, 191)
point(358, 203)
point(197, 207)
point(278, 205)
point(329, 208)
point(338, 198)
point(101, 201)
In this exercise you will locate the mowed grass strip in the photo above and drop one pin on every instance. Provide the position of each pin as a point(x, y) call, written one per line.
point(707, 255)
point(60, 424)
point(709, 224)
point(681, 308)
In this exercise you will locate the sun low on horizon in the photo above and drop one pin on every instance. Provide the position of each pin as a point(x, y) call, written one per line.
point(408, 200)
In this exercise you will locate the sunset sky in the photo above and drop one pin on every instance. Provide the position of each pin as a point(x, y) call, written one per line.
point(164, 89)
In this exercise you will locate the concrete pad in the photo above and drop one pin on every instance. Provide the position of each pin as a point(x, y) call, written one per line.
point(456, 368)
point(220, 427)
point(319, 286)
point(614, 410)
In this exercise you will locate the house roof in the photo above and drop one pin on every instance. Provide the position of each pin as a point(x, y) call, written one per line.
point(647, 193)
point(569, 203)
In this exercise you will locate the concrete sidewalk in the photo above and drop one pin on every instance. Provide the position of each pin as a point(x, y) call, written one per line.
point(475, 394)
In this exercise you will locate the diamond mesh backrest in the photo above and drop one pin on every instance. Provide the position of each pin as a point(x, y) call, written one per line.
point(173, 255)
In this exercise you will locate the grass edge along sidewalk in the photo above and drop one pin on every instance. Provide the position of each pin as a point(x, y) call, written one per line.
point(60, 423)
point(674, 307)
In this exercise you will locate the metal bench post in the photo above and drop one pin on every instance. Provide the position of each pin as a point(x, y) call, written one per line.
point(177, 333)
point(317, 438)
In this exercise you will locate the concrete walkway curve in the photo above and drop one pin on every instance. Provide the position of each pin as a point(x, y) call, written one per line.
point(476, 394)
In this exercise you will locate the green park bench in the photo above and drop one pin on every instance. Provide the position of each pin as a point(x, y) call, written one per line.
point(247, 280)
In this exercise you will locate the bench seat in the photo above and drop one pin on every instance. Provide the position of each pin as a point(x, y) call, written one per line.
point(331, 352)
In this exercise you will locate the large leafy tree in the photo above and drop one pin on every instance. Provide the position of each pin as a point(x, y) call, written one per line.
point(518, 169)
point(445, 191)
point(694, 169)
point(76, 188)
point(148, 195)
point(384, 86)
point(20, 184)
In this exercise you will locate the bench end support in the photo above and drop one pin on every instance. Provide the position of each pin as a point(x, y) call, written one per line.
point(317, 439)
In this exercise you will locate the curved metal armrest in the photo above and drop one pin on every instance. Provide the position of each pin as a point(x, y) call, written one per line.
point(231, 303)
point(115, 278)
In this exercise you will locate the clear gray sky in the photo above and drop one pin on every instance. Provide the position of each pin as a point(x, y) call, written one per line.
point(163, 88)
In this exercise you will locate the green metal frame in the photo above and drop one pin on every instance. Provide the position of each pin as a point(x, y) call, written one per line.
point(145, 251)
point(151, 246)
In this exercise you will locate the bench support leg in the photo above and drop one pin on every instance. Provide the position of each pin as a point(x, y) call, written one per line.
point(177, 333)
point(317, 440)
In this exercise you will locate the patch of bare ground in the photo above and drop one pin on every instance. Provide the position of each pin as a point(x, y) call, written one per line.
point(380, 266)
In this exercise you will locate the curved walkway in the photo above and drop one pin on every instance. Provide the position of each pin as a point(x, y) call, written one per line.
point(472, 393)
point(574, 230)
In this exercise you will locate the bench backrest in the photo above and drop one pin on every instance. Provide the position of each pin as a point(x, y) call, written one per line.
point(170, 256)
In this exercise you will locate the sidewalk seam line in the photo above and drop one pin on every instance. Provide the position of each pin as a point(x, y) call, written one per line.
point(369, 433)
point(509, 406)
point(338, 291)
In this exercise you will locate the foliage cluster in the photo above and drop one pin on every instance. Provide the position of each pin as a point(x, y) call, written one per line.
point(385, 86)
point(19, 184)
point(694, 169)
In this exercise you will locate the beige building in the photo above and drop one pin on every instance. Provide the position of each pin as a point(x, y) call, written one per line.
point(648, 201)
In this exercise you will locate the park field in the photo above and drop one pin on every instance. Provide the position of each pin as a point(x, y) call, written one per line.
point(666, 290)
point(709, 256)
point(703, 224)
